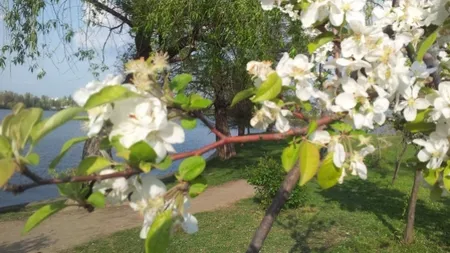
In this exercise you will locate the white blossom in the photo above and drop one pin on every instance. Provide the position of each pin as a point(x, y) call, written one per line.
point(434, 150)
point(412, 103)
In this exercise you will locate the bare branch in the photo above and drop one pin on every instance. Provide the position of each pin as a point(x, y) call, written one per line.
point(111, 11)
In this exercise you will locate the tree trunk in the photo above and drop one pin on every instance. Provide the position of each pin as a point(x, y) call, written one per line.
point(408, 236)
point(399, 160)
point(226, 151)
point(248, 130)
point(241, 129)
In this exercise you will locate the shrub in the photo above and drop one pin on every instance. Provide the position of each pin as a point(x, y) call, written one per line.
point(267, 175)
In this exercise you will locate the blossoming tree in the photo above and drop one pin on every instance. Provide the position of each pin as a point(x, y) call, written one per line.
point(361, 67)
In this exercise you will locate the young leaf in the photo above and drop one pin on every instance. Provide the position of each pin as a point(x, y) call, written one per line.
point(289, 156)
point(446, 178)
point(430, 176)
point(419, 124)
point(44, 127)
point(7, 168)
point(33, 159)
point(158, 236)
point(197, 186)
point(22, 124)
point(5, 147)
point(17, 108)
point(319, 41)
point(97, 199)
point(190, 123)
point(435, 193)
point(67, 145)
point(107, 95)
point(328, 174)
point(180, 82)
point(426, 44)
point(269, 89)
point(198, 102)
point(41, 214)
point(165, 164)
point(191, 167)
point(341, 127)
point(5, 124)
point(311, 127)
point(141, 152)
point(93, 164)
point(309, 161)
point(243, 94)
point(181, 99)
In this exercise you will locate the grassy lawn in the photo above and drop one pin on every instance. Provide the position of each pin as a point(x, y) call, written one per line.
point(357, 216)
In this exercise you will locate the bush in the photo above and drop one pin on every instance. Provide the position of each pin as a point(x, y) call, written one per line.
point(267, 176)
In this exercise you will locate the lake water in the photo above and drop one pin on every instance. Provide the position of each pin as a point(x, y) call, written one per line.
point(49, 147)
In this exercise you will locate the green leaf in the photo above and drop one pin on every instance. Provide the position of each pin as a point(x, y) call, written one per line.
point(158, 236)
point(309, 161)
point(93, 164)
point(289, 156)
point(430, 176)
point(41, 214)
point(269, 89)
point(5, 124)
point(243, 94)
point(107, 95)
point(22, 124)
point(145, 166)
point(426, 44)
point(328, 174)
point(44, 127)
point(17, 108)
point(435, 193)
point(33, 159)
point(165, 164)
point(181, 99)
point(67, 145)
point(7, 168)
point(197, 186)
point(97, 199)
point(190, 123)
point(191, 167)
point(307, 106)
point(141, 152)
point(446, 177)
point(5, 147)
point(311, 127)
point(319, 41)
point(180, 82)
point(420, 124)
point(198, 102)
point(341, 127)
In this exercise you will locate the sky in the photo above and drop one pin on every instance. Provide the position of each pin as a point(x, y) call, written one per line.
point(63, 77)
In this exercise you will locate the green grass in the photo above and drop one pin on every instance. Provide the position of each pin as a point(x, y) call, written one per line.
point(357, 216)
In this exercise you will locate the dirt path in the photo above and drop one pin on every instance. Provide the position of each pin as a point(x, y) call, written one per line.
point(72, 227)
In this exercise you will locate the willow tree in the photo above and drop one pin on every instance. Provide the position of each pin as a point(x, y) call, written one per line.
point(212, 38)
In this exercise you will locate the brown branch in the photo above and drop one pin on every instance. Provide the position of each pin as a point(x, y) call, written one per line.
point(208, 124)
point(290, 181)
point(130, 172)
point(111, 11)
point(26, 172)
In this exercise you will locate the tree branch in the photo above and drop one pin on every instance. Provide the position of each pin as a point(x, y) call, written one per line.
point(130, 172)
point(207, 123)
point(290, 181)
point(111, 11)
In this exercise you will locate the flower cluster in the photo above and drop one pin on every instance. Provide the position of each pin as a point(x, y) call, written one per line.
point(374, 73)
point(139, 116)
